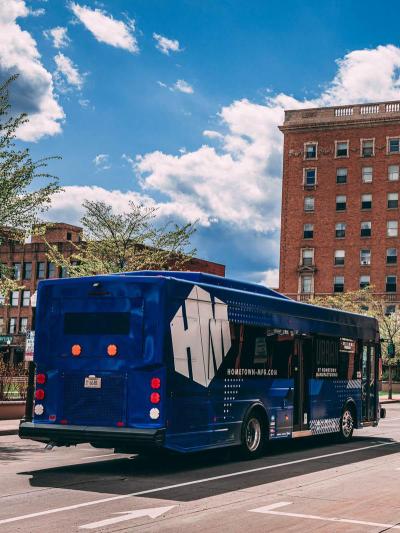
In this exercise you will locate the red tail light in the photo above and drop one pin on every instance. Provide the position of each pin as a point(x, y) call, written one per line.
point(76, 350)
point(155, 383)
point(155, 397)
point(112, 350)
point(41, 379)
point(120, 424)
point(39, 394)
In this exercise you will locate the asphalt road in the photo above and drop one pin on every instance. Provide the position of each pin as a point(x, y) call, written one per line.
point(303, 485)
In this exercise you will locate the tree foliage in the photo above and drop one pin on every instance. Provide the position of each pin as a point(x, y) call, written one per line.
point(126, 241)
point(365, 302)
point(26, 188)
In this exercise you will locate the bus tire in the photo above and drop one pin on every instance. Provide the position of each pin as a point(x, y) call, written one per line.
point(347, 423)
point(253, 435)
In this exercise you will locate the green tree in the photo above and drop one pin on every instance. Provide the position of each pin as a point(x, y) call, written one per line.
point(21, 200)
point(127, 241)
point(365, 302)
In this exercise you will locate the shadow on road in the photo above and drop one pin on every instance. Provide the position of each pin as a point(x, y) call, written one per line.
point(141, 473)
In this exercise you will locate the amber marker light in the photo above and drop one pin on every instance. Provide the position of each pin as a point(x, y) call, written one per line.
point(76, 350)
point(112, 350)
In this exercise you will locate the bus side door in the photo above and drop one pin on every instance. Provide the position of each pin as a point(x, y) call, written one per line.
point(302, 371)
point(369, 392)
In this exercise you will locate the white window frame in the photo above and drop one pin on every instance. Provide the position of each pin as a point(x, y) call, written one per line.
point(367, 282)
point(337, 255)
point(388, 139)
point(300, 287)
point(305, 151)
point(304, 230)
point(373, 147)
point(396, 194)
point(304, 251)
point(395, 227)
point(313, 204)
point(305, 184)
point(363, 174)
point(348, 149)
point(398, 172)
point(363, 199)
point(347, 175)
point(365, 262)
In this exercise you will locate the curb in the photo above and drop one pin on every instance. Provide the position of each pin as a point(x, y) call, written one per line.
point(4, 432)
point(383, 402)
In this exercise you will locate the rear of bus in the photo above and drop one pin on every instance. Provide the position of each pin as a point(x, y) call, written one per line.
point(99, 373)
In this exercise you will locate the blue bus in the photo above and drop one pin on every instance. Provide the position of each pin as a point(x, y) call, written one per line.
point(189, 361)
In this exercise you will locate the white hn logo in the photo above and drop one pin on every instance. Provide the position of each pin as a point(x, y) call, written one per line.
point(206, 340)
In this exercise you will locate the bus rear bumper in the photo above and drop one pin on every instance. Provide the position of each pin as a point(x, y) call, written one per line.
point(101, 437)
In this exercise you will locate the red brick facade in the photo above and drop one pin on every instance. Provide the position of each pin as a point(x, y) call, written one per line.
point(372, 136)
point(31, 264)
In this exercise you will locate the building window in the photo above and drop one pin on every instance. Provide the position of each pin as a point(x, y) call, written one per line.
point(14, 299)
point(394, 145)
point(367, 174)
point(306, 284)
point(12, 326)
point(41, 270)
point(307, 257)
point(69, 236)
point(367, 147)
point(340, 203)
point(390, 309)
point(64, 272)
point(366, 201)
point(310, 177)
point(342, 148)
point(391, 284)
point(17, 270)
point(338, 284)
point(365, 281)
point(27, 273)
point(26, 298)
point(392, 228)
point(391, 256)
point(310, 150)
point(365, 257)
point(23, 325)
point(341, 175)
point(309, 203)
point(366, 229)
point(340, 230)
point(339, 257)
point(2, 299)
point(393, 172)
point(308, 231)
point(393, 200)
point(52, 270)
point(2, 327)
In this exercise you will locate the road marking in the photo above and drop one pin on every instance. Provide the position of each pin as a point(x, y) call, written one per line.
point(129, 515)
point(187, 483)
point(104, 455)
point(270, 509)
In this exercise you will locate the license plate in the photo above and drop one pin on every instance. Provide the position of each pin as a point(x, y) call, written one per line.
point(92, 383)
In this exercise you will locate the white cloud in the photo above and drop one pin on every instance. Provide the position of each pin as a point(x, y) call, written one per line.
point(211, 134)
point(34, 91)
point(184, 87)
point(162, 84)
point(166, 45)
point(102, 161)
point(68, 71)
point(270, 278)
point(84, 102)
point(106, 29)
point(37, 12)
point(59, 36)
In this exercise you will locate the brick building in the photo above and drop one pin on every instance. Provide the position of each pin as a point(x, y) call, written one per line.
point(340, 201)
point(30, 264)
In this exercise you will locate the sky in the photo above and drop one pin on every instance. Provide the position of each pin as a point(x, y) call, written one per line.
point(176, 103)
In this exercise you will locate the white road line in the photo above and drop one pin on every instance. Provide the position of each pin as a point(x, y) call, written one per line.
point(104, 455)
point(129, 515)
point(188, 483)
point(270, 509)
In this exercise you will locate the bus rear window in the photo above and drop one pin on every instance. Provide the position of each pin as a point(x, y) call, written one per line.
point(96, 323)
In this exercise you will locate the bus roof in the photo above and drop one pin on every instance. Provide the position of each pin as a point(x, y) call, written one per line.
point(210, 279)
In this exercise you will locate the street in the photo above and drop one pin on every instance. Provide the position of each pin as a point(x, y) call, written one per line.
point(305, 484)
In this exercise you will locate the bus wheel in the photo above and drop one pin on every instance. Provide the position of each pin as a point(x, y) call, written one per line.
point(253, 436)
point(346, 424)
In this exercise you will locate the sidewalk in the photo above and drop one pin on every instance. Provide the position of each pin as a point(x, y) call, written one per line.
point(384, 399)
point(8, 427)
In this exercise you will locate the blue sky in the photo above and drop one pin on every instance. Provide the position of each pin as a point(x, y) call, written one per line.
point(176, 103)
